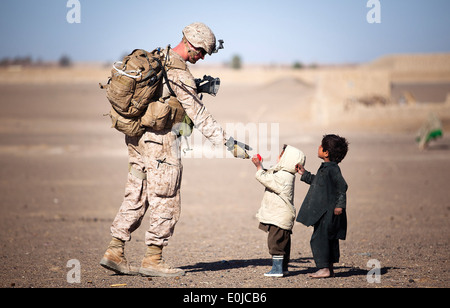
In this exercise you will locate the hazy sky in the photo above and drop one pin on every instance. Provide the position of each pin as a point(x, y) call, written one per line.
point(260, 31)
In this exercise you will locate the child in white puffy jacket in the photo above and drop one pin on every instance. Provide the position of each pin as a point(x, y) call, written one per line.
point(277, 212)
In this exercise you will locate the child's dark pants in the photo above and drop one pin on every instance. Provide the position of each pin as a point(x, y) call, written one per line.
point(325, 250)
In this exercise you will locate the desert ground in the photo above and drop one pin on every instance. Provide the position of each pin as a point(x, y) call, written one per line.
point(63, 171)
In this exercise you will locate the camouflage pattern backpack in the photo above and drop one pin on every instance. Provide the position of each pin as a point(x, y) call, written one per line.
point(135, 82)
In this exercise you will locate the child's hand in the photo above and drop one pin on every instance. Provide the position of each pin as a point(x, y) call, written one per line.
point(256, 162)
point(338, 211)
point(299, 168)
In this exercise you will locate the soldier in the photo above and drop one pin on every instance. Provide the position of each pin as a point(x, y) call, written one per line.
point(155, 165)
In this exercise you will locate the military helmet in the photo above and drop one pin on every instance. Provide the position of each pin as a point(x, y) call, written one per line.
point(200, 36)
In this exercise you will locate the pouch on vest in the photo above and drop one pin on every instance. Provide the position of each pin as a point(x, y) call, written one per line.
point(177, 111)
point(156, 116)
point(129, 126)
point(180, 123)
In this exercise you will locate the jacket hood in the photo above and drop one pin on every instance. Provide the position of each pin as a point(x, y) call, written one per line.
point(291, 157)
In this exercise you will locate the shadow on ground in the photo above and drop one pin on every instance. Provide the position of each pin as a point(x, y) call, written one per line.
point(298, 266)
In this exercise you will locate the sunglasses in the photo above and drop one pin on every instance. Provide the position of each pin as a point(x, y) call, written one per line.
point(201, 50)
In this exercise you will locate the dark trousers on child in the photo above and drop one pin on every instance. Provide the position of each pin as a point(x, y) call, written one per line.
point(325, 250)
point(278, 241)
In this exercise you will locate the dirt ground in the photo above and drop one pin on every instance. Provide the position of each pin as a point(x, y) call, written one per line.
point(63, 171)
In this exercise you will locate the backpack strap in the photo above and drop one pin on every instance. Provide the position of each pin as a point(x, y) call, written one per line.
point(175, 63)
point(168, 83)
point(167, 63)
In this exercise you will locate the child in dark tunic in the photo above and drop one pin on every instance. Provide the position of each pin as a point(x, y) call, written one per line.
point(324, 205)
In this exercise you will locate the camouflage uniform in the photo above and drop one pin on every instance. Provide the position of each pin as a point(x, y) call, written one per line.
point(155, 166)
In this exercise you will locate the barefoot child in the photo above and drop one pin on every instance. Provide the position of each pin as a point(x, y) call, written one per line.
point(277, 212)
point(324, 205)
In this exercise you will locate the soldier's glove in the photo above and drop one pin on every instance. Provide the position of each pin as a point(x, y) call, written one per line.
point(238, 149)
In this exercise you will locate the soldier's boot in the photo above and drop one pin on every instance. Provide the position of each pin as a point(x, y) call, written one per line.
point(154, 265)
point(114, 259)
